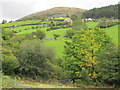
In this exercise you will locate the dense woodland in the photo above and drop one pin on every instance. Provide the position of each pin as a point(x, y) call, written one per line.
point(107, 11)
point(77, 52)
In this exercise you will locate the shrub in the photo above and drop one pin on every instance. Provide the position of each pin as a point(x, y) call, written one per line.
point(39, 34)
point(56, 36)
point(7, 34)
point(9, 62)
point(4, 21)
point(70, 33)
point(33, 28)
point(48, 29)
point(34, 58)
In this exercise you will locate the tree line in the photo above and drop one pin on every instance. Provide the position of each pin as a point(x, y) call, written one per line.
point(107, 11)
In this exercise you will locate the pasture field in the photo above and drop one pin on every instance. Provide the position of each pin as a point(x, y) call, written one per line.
point(91, 24)
point(25, 27)
point(57, 45)
point(31, 30)
point(61, 32)
point(21, 23)
point(26, 31)
point(113, 32)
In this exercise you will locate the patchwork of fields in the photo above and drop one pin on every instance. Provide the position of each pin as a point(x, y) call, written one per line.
point(25, 27)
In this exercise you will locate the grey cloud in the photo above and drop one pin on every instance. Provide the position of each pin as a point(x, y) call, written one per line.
point(15, 9)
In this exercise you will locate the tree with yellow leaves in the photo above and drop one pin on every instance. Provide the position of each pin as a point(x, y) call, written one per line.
point(80, 59)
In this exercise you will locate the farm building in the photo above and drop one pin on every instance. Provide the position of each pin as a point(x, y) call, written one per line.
point(68, 20)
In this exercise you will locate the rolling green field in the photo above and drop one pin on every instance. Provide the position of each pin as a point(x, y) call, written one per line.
point(91, 24)
point(61, 32)
point(21, 23)
point(27, 31)
point(113, 32)
point(58, 44)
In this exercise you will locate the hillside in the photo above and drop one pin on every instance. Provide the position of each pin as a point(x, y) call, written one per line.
point(110, 11)
point(22, 39)
point(55, 12)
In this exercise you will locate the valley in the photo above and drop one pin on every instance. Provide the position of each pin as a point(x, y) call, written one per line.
point(61, 48)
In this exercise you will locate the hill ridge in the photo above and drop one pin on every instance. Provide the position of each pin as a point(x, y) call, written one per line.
point(55, 12)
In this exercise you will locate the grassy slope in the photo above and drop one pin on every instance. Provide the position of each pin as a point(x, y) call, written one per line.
point(25, 27)
point(61, 32)
point(91, 24)
point(27, 31)
point(21, 23)
point(57, 12)
point(57, 45)
point(113, 32)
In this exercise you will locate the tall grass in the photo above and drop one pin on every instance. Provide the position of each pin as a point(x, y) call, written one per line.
point(9, 82)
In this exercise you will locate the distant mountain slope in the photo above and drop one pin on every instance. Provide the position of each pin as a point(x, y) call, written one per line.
point(55, 12)
point(110, 11)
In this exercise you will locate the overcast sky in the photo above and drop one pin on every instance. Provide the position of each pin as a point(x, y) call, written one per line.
point(14, 9)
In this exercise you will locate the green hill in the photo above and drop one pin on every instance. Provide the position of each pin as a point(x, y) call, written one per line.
point(55, 12)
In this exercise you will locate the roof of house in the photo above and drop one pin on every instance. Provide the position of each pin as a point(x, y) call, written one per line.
point(68, 20)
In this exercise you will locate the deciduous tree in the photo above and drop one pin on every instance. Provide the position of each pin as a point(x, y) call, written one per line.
point(80, 58)
point(108, 67)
